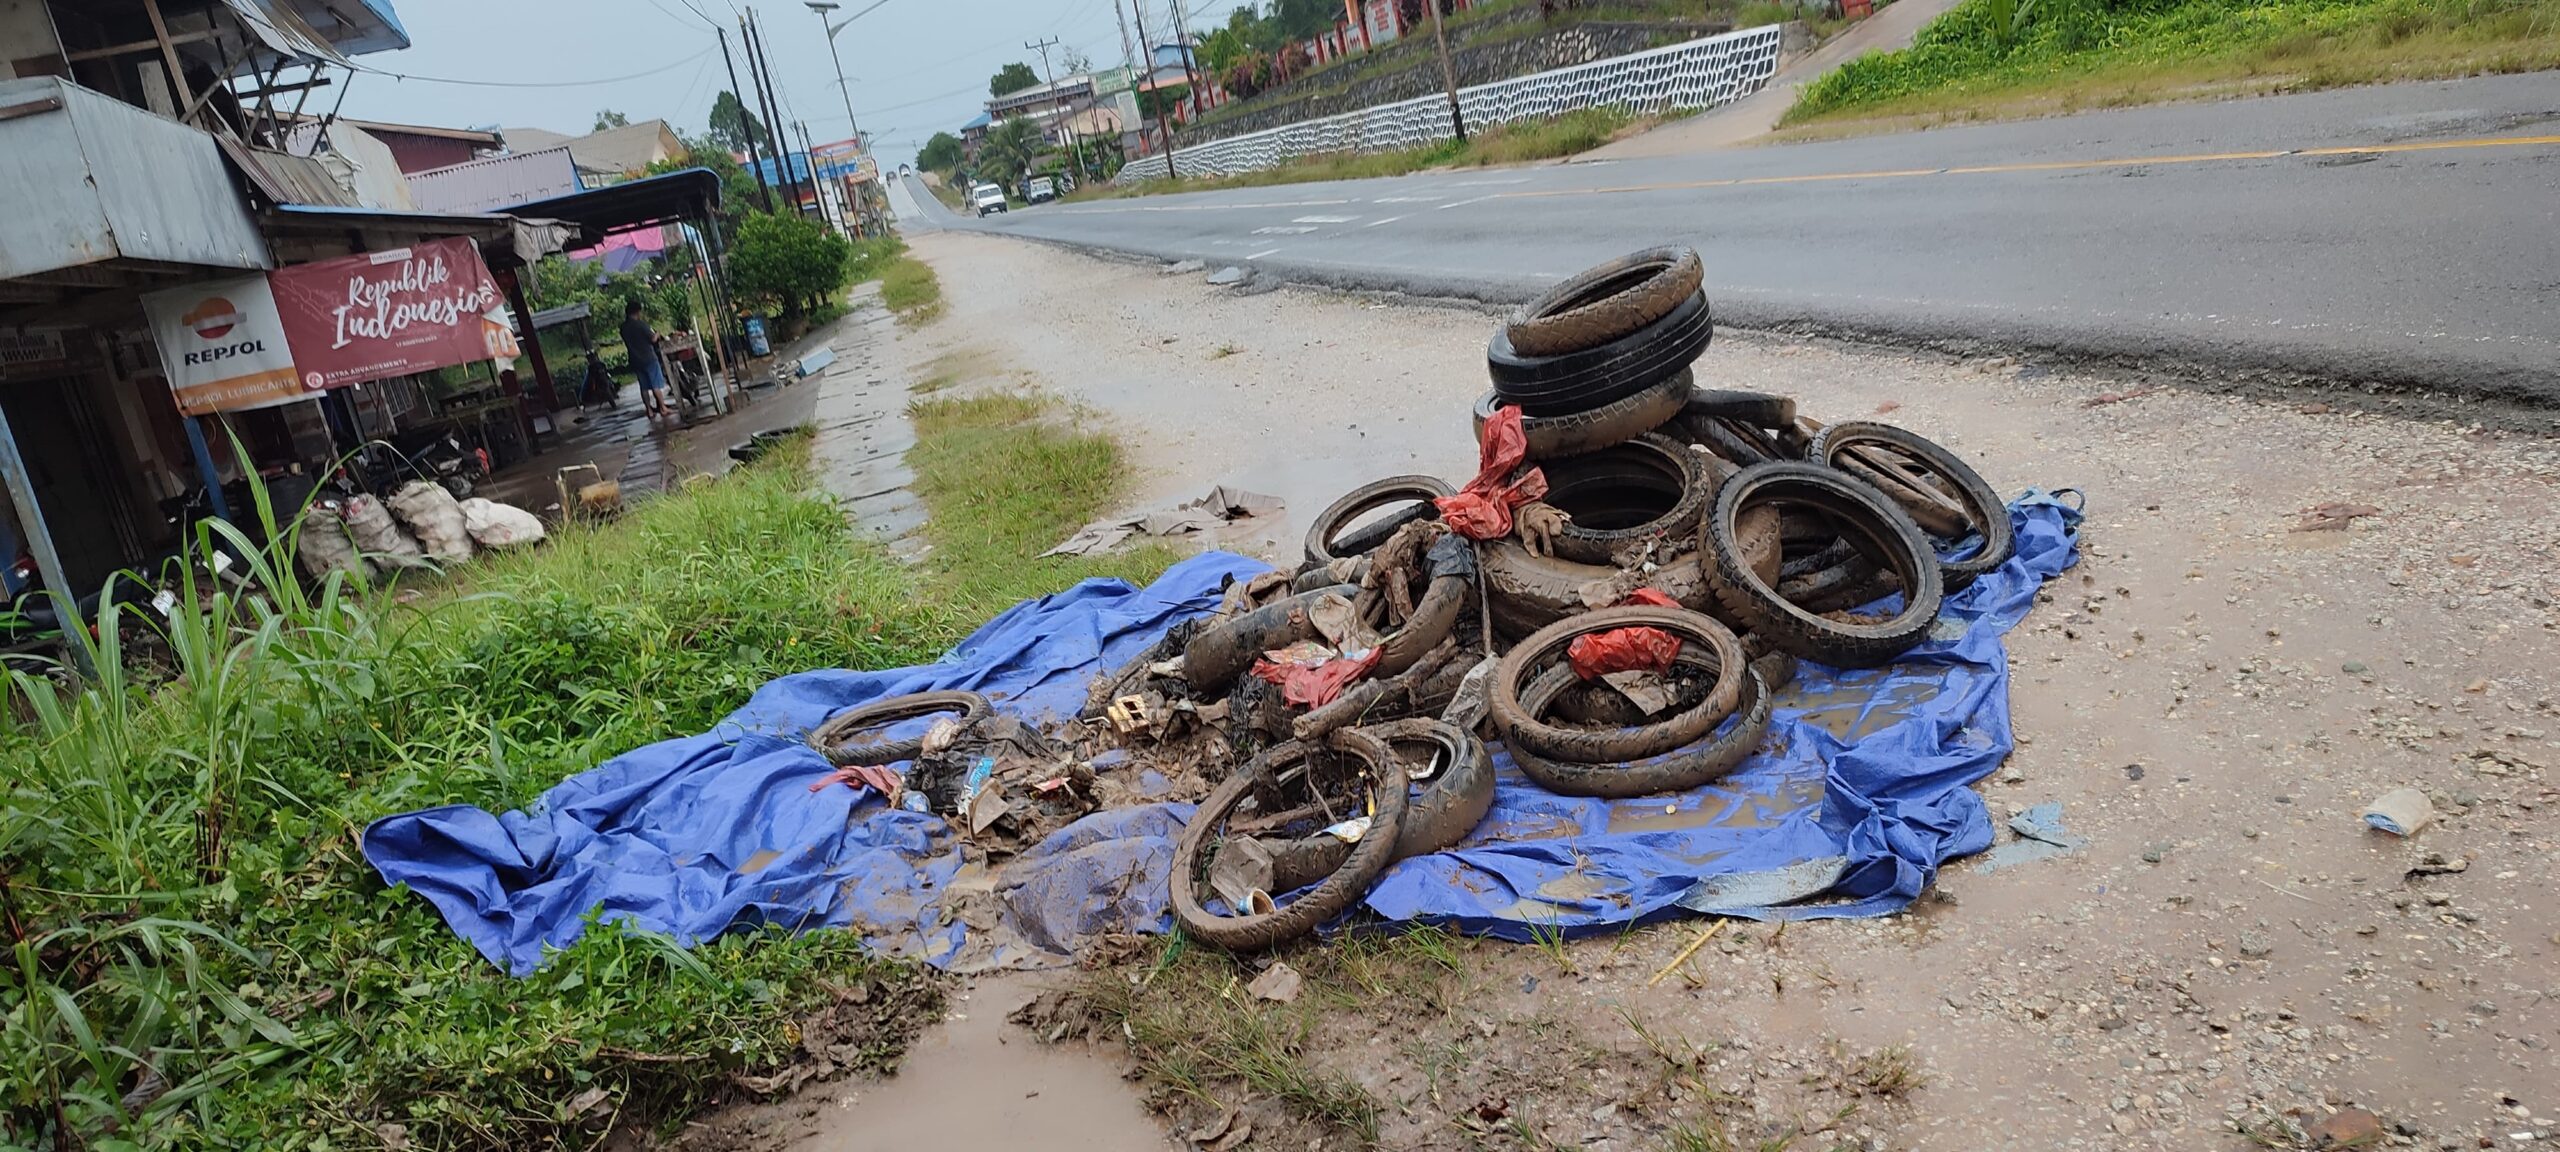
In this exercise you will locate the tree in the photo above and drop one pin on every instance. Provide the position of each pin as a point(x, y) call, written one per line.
point(738, 189)
point(1010, 148)
point(609, 118)
point(1304, 19)
point(783, 262)
point(733, 127)
point(1010, 79)
point(940, 154)
point(1076, 63)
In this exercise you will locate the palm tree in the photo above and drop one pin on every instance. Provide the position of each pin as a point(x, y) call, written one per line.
point(1009, 150)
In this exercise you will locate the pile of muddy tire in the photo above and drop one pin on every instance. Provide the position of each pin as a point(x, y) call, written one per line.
point(1616, 600)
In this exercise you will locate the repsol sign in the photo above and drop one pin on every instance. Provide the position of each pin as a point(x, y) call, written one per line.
point(224, 352)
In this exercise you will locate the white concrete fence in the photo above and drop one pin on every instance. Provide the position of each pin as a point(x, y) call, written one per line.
point(1696, 74)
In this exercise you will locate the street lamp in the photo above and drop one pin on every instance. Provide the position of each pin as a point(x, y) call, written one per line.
point(823, 8)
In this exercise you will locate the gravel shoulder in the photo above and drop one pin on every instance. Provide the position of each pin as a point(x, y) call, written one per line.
point(2213, 696)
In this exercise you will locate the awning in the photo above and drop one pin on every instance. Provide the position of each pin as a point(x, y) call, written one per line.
point(511, 239)
point(601, 212)
point(277, 26)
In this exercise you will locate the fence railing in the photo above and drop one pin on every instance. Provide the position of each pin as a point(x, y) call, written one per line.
point(1699, 73)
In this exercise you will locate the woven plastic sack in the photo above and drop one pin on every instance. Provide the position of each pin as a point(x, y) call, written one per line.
point(324, 546)
point(495, 525)
point(380, 538)
point(436, 517)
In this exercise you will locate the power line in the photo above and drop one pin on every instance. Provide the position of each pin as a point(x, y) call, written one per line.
point(535, 83)
point(670, 14)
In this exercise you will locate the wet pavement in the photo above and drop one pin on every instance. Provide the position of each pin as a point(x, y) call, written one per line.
point(863, 432)
point(647, 456)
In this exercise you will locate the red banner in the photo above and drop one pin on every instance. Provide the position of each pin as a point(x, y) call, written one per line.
point(381, 314)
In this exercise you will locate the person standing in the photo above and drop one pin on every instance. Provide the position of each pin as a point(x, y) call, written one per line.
point(642, 343)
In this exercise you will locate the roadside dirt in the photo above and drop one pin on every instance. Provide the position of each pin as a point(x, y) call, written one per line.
point(2283, 612)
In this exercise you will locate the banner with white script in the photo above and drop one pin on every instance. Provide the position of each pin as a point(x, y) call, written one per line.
point(392, 313)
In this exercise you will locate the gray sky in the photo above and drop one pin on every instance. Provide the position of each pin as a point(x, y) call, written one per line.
point(916, 66)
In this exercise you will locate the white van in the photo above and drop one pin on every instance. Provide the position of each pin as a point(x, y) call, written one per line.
point(1040, 190)
point(986, 198)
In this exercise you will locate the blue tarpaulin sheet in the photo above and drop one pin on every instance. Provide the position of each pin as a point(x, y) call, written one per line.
point(1856, 798)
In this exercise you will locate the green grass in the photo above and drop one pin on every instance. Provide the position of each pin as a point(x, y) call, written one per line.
point(2066, 55)
point(909, 289)
point(1567, 135)
point(1006, 476)
point(190, 925)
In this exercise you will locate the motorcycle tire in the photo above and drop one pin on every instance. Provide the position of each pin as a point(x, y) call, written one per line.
point(1521, 727)
point(1444, 808)
point(1875, 526)
point(1339, 890)
point(1605, 302)
point(1612, 424)
point(1581, 381)
point(1221, 652)
point(831, 737)
point(1326, 538)
point(1678, 770)
point(1648, 488)
point(1983, 511)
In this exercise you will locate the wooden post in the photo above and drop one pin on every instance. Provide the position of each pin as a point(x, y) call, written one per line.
point(169, 60)
point(1448, 71)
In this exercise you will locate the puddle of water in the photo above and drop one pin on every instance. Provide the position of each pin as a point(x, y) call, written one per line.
point(1854, 708)
point(978, 1082)
point(1717, 808)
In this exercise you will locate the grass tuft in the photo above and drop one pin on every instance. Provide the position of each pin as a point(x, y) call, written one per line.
point(2071, 55)
point(1567, 135)
point(1006, 476)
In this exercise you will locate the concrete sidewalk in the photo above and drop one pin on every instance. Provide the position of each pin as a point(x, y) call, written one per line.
point(1757, 115)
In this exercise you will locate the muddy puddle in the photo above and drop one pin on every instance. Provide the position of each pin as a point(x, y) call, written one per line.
point(979, 1082)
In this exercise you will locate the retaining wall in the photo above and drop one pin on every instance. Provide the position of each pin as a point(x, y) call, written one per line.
point(1700, 73)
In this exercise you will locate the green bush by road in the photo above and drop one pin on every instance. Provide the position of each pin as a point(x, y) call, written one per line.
point(1991, 57)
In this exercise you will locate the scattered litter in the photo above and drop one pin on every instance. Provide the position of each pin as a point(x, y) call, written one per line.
point(1228, 275)
point(816, 362)
point(2041, 836)
point(1222, 505)
point(1278, 983)
point(2400, 812)
point(1226, 1132)
point(1182, 268)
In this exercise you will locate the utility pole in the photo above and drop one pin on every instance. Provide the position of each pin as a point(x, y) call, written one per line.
point(822, 8)
point(761, 63)
point(1163, 123)
point(763, 190)
point(1128, 60)
point(1448, 71)
point(1182, 37)
point(1066, 131)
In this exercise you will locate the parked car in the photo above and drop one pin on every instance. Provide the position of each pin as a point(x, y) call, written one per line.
point(986, 198)
point(1040, 190)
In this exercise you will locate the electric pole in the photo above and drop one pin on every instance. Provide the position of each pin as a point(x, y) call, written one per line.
point(822, 8)
point(760, 63)
point(1182, 38)
point(763, 190)
point(1164, 123)
point(1448, 71)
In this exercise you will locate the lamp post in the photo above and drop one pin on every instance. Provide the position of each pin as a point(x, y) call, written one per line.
point(823, 8)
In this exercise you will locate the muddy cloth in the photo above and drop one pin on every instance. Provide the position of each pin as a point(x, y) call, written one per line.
point(690, 837)
point(1855, 799)
point(1626, 649)
point(1482, 510)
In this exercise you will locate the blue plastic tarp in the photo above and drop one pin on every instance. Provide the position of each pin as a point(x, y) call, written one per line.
point(1857, 797)
point(690, 836)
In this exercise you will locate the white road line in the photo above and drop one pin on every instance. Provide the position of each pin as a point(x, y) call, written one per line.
point(1261, 254)
point(1283, 230)
point(1324, 219)
point(1388, 220)
point(1461, 203)
point(1407, 199)
point(1485, 183)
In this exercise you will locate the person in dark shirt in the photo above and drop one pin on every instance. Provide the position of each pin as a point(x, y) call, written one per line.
point(642, 343)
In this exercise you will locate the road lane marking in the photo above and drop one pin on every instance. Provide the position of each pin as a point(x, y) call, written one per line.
point(1261, 254)
point(1099, 211)
point(1284, 230)
point(2042, 166)
point(1408, 199)
point(1388, 220)
point(1464, 203)
point(1488, 183)
point(1324, 219)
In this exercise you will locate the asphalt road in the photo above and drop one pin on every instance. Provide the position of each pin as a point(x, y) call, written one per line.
point(2406, 235)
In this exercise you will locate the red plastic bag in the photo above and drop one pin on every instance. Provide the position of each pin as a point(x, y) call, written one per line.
point(1626, 649)
point(1315, 685)
point(1482, 509)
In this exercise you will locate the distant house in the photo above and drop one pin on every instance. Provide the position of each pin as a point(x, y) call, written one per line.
point(610, 156)
point(418, 147)
point(497, 183)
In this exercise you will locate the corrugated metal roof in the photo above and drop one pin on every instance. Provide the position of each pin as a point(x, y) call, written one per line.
point(284, 178)
point(497, 182)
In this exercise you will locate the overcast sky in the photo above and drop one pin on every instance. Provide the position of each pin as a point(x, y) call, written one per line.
point(916, 66)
